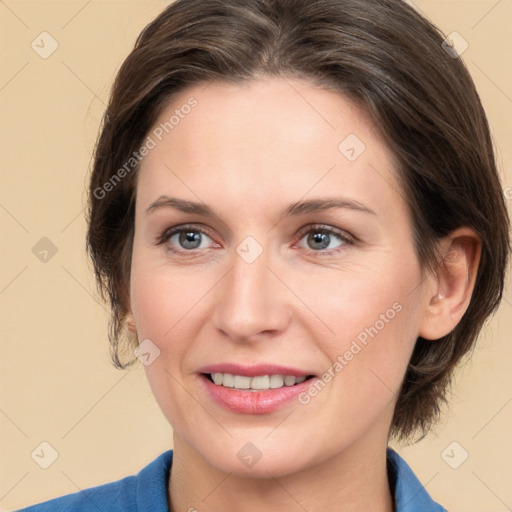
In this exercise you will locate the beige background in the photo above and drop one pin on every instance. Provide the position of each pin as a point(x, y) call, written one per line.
point(57, 384)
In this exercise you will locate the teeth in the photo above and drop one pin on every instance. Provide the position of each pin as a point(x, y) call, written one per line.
point(276, 381)
point(261, 382)
point(242, 382)
point(226, 380)
point(289, 381)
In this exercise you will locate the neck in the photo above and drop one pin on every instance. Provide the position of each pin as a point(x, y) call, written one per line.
point(351, 481)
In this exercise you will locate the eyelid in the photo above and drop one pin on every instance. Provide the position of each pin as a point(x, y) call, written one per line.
point(344, 235)
point(169, 232)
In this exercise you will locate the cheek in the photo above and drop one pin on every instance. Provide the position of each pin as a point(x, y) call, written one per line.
point(169, 392)
point(363, 303)
point(166, 305)
point(164, 299)
point(372, 320)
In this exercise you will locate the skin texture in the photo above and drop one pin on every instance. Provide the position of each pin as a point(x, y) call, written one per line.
point(248, 152)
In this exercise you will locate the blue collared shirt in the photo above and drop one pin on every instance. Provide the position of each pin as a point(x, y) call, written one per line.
point(147, 492)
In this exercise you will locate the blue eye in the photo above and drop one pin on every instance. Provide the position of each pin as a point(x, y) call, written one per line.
point(324, 239)
point(319, 239)
point(185, 239)
point(189, 239)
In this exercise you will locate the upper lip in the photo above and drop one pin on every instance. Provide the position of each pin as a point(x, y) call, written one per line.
point(253, 370)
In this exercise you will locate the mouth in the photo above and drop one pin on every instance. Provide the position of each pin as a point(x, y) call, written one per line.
point(257, 383)
point(261, 388)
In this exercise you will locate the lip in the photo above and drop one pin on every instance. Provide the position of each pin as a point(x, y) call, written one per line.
point(253, 402)
point(253, 370)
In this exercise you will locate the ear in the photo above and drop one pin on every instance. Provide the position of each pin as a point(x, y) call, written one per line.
point(128, 318)
point(452, 286)
point(130, 322)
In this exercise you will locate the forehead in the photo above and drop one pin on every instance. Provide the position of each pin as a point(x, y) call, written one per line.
point(272, 138)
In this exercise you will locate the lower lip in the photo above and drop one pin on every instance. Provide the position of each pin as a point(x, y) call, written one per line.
point(254, 402)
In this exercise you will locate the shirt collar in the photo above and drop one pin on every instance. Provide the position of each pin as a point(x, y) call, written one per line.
point(410, 494)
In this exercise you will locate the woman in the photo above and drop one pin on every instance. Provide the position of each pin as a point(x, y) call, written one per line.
point(296, 216)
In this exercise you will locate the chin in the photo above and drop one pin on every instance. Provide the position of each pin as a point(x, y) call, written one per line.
point(267, 466)
point(259, 456)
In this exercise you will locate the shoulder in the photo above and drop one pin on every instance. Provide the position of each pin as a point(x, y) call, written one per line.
point(138, 492)
point(410, 494)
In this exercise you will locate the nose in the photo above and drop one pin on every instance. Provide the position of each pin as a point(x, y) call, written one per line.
point(251, 302)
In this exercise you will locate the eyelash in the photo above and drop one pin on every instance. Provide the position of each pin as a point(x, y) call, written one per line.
point(344, 237)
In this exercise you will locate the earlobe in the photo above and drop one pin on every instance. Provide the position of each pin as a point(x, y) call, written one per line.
point(130, 322)
point(455, 281)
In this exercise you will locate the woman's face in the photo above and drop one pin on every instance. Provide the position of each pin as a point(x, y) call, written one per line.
point(272, 239)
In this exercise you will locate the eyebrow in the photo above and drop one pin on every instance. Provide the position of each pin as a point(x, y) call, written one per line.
point(294, 209)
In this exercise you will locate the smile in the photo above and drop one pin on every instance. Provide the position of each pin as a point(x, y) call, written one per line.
point(258, 394)
point(256, 383)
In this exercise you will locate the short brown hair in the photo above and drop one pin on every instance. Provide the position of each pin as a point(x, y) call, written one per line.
point(381, 54)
